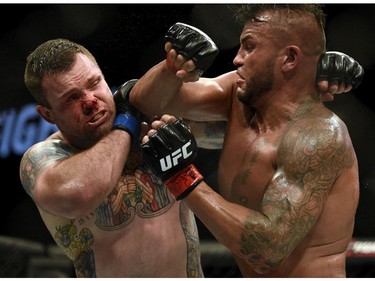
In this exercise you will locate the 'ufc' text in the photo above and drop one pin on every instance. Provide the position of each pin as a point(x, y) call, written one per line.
point(172, 160)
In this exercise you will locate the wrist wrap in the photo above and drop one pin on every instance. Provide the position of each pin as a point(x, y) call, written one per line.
point(181, 184)
point(128, 123)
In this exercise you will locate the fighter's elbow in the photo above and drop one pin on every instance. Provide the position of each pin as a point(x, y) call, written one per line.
point(263, 266)
point(70, 204)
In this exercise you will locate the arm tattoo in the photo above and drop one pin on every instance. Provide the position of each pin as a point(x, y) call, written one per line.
point(194, 268)
point(310, 158)
point(38, 157)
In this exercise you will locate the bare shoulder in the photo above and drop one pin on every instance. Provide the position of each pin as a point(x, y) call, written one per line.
point(319, 143)
point(38, 157)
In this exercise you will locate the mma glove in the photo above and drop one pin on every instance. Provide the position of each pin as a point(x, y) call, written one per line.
point(127, 116)
point(170, 153)
point(194, 44)
point(336, 66)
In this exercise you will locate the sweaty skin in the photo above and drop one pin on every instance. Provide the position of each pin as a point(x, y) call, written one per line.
point(288, 173)
point(131, 227)
point(302, 199)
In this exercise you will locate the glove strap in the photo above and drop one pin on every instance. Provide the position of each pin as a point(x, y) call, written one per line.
point(181, 184)
point(128, 123)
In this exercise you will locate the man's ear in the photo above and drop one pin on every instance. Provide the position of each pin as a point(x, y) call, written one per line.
point(45, 113)
point(292, 54)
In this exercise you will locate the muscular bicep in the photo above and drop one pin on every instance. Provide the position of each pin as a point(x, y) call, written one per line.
point(310, 159)
point(205, 100)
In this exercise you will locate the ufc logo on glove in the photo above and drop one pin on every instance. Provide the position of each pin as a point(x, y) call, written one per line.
point(172, 160)
point(174, 168)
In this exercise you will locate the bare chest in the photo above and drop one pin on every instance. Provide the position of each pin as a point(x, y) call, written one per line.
point(247, 164)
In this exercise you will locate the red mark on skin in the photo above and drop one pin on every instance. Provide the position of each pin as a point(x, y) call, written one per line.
point(89, 105)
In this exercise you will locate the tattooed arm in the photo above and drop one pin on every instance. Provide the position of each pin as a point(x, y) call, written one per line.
point(310, 158)
point(70, 183)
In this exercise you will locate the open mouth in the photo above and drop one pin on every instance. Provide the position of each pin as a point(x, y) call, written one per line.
point(96, 117)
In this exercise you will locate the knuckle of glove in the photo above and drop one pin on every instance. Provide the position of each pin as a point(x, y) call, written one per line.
point(122, 103)
point(202, 53)
point(121, 97)
point(358, 75)
point(174, 130)
point(170, 149)
point(341, 68)
point(177, 36)
point(206, 58)
point(353, 72)
point(331, 68)
point(193, 44)
point(183, 131)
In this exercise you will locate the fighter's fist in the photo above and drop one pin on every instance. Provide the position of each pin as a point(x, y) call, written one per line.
point(341, 68)
point(127, 116)
point(194, 44)
point(169, 152)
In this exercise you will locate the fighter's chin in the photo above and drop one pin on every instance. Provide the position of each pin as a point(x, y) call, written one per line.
point(103, 129)
point(99, 130)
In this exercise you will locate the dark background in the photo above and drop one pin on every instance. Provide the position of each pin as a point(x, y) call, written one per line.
point(127, 39)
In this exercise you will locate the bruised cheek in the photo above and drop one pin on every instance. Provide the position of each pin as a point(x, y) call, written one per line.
point(72, 113)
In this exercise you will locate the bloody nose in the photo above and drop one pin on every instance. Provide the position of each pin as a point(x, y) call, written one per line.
point(89, 105)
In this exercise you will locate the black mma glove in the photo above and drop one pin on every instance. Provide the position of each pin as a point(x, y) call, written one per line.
point(336, 66)
point(128, 117)
point(170, 153)
point(194, 44)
